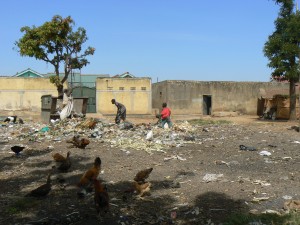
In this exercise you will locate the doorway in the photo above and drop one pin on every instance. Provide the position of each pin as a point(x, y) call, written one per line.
point(206, 104)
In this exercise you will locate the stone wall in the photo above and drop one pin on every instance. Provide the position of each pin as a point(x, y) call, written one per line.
point(186, 97)
point(24, 94)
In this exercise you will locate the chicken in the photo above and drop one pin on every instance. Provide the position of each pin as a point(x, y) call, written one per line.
point(141, 189)
point(92, 124)
point(17, 149)
point(42, 190)
point(58, 157)
point(79, 142)
point(142, 175)
point(11, 119)
point(90, 174)
point(83, 143)
point(101, 197)
point(66, 164)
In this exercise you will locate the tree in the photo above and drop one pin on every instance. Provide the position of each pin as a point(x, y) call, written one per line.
point(56, 43)
point(283, 49)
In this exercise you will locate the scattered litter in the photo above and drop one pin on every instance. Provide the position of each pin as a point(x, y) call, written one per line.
point(296, 142)
point(287, 197)
point(265, 153)
point(247, 148)
point(174, 157)
point(210, 177)
point(259, 199)
point(261, 182)
point(292, 205)
point(149, 136)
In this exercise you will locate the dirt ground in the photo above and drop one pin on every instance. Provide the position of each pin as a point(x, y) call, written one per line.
point(202, 180)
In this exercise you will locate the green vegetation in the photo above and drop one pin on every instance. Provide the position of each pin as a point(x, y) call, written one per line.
point(21, 205)
point(56, 43)
point(208, 122)
point(283, 47)
point(264, 219)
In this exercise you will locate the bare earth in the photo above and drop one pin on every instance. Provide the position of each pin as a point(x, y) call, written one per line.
point(183, 190)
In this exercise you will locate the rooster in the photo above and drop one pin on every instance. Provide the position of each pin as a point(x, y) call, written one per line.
point(42, 190)
point(142, 175)
point(87, 178)
point(101, 197)
point(66, 164)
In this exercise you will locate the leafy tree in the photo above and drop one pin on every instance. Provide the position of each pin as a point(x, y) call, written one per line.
point(283, 49)
point(56, 43)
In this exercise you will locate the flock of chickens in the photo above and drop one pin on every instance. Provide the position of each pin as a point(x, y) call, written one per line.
point(89, 180)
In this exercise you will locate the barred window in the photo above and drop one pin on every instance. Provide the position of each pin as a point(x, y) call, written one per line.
point(121, 88)
point(133, 88)
point(110, 88)
point(143, 88)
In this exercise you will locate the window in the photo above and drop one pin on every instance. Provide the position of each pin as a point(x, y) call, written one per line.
point(143, 88)
point(121, 88)
point(109, 88)
point(133, 88)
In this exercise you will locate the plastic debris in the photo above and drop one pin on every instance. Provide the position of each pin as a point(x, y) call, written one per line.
point(210, 177)
point(247, 148)
point(265, 153)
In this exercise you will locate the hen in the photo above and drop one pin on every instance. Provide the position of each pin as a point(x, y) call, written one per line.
point(17, 149)
point(42, 190)
point(141, 188)
point(142, 175)
point(86, 181)
point(90, 174)
point(79, 142)
point(101, 197)
point(66, 164)
point(58, 157)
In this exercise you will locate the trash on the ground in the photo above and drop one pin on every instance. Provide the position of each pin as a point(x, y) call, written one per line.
point(296, 142)
point(174, 157)
point(210, 177)
point(265, 153)
point(221, 162)
point(292, 205)
point(271, 211)
point(149, 136)
point(261, 182)
point(259, 199)
point(287, 158)
point(247, 148)
point(45, 129)
point(287, 197)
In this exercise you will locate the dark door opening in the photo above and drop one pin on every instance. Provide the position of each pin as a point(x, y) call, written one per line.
point(206, 104)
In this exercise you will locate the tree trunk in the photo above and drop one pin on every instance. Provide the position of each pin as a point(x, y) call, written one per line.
point(60, 91)
point(293, 99)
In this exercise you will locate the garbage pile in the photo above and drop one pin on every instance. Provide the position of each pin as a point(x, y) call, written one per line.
point(127, 135)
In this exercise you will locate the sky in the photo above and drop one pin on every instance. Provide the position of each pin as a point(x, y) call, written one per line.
point(220, 40)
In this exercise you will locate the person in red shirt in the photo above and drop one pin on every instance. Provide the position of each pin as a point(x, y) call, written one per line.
point(165, 115)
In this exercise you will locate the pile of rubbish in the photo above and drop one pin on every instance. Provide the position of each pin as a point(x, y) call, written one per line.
point(147, 137)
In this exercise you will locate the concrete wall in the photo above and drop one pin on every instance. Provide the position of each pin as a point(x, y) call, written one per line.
point(136, 101)
point(24, 93)
point(186, 97)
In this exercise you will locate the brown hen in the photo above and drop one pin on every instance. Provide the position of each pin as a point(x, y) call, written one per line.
point(42, 190)
point(66, 164)
point(79, 142)
point(90, 174)
point(101, 197)
point(142, 175)
point(58, 157)
point(141, 188)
